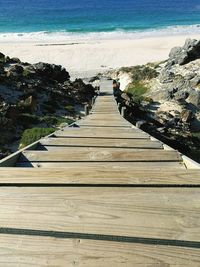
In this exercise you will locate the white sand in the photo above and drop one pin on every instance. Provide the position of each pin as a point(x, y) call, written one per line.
point(87, 58)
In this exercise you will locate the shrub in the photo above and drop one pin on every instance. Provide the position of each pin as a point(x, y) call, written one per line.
point(25, 72)
point(30, 136)
point(70, 108)
point(142, 72)
point(48, 108)
point(28, 119)
point(55, 121)
point(136, 91)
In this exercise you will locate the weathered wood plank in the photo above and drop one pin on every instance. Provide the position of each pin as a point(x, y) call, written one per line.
point(119, 130)
point(98, 142)
point(135, 165)
point(103, 123)
point(97, 175)
point(159, 213)
point(37, 251)
point(111, 125)
point(89, 132)
point(101, 154)
point(104, 130)
point(115, 118)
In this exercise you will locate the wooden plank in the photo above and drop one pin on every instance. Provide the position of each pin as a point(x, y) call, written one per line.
point(103, 123)
point(101, 112)
point(26, 251)
point(157, 213)
point(97, 175)
point(119, 130)
point(131, 128)
point(104, 130)
point(136, 165)
point(107, 118)
point(101, 154)
point(83, 126)
point(108, 107)
point(88, 132)
point(55, 143)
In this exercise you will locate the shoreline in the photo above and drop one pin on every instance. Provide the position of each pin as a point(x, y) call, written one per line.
point(86, 59)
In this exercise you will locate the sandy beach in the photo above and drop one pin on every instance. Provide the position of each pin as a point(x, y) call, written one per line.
point(85, 58)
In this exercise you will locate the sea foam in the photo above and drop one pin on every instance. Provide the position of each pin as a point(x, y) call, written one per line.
point(64, 36)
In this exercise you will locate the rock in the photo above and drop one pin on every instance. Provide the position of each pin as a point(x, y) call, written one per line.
point(125, 97)
point(14, 60)
point(94, 79)
point(140, 124)
point(195, 81)
point(194, 97)
point(160, 95)
point(82, 92)
point(195, 125)
point(15, 70)
point(53, 72)
point(186, 116)
point(183, 55)
point(166, 76)
point(180, 96)
point(174, 52)
point(177, 55)
point(2, 58)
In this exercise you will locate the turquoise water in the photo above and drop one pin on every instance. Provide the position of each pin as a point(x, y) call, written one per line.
point(94, 16)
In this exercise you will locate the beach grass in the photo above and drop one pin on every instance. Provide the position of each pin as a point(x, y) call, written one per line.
point(30, 136)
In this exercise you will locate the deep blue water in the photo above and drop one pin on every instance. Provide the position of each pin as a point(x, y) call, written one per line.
point(96, 15)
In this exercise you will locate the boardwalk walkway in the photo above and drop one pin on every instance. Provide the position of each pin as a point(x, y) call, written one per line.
point(101, 194)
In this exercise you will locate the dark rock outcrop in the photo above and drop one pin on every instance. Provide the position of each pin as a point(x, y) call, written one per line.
point(52, 72)
point(31, 92)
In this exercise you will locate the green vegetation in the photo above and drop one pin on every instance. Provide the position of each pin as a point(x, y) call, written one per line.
point(25, 72)
point(196, 134)
point(136, 91)
point(142, 72)
point(28, 119)
point(140, 76)
point(48, 108)
point(55, 121)
point(70, 108)
point(30, 136)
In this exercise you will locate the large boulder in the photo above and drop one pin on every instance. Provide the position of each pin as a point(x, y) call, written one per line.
point(15, 70)
point(51, 71)
point(183, 55)
point(82, 92)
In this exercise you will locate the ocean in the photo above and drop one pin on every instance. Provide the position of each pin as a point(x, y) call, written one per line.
point(62, 19)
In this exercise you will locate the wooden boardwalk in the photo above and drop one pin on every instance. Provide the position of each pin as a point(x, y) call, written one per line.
point(100, 194)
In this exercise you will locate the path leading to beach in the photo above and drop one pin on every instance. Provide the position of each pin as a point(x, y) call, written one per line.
point(101, 194)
